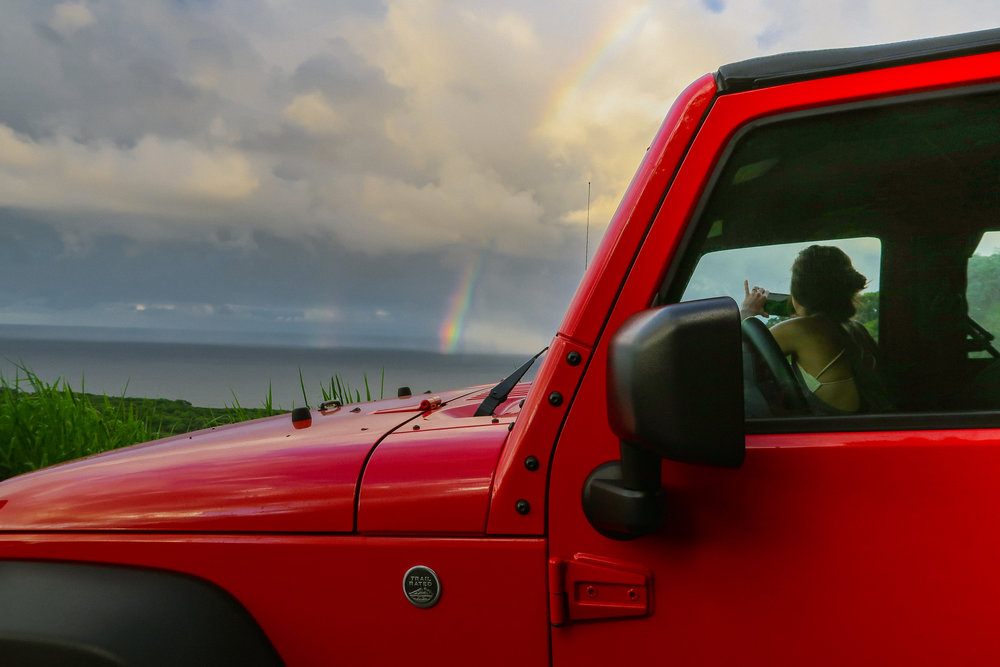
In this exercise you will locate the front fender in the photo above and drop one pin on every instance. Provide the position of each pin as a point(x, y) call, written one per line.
point(54, 613)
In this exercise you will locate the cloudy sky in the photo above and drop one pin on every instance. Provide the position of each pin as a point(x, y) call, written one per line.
point(401, 173)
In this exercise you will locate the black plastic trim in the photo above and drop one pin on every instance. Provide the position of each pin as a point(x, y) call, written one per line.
point(894, 422)
point(115, 615)
point(618, 510)
point(659, 394)
point(805, 65)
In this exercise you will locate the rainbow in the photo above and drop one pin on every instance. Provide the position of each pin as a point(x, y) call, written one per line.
point(458, 309)
point(606, 44)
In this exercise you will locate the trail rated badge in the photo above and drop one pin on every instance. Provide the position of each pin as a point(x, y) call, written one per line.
point(421, 586)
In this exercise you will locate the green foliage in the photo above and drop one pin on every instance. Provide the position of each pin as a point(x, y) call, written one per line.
point(867, 312)
point(340, 390)
point(205, 417)
point(983, 292)
point(42, 424)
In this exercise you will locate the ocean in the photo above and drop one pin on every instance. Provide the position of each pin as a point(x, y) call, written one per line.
point(216, 375)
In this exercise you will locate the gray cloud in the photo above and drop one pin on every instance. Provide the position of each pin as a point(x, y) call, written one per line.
point(338, 167)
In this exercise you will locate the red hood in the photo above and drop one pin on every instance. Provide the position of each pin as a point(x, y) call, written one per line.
point(258, 476)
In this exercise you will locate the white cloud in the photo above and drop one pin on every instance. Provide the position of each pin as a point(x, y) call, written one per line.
point(464, 206)
point(314, 113)
point(17, 151)
point(503, 115)
point(321, 314)
point(68, 17)
point(166, 179)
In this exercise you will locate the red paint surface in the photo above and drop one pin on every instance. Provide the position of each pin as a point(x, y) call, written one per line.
point(431, 481)
point(534, 434)
point(437, 479)
point(260, 476)
point(818, 554)
point(338, 600)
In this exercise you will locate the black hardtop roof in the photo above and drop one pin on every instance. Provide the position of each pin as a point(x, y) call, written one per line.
point(804, 65)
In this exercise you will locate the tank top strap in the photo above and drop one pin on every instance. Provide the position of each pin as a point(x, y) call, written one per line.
point(832, 362)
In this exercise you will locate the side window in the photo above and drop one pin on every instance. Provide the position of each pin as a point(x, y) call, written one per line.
point(830, 378)
point(875, 218)
point(722, 273)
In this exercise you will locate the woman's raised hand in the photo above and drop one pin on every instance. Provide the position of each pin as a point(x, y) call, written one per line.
point(753, 302)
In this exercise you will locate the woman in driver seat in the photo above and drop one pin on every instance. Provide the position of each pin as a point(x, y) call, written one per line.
point(833, 356)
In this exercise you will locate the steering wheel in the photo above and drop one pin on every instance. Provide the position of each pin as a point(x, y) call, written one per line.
point(785, 394)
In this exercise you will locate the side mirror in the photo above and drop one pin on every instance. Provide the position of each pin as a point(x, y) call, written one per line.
point(675, 391)
point(675, 382)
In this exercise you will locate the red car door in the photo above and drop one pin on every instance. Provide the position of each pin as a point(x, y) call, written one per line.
point(858, 538)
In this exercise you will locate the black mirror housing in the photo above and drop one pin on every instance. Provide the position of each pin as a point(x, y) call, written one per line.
point(675, 382)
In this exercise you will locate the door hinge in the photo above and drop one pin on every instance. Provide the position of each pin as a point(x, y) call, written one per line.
point(587, 587)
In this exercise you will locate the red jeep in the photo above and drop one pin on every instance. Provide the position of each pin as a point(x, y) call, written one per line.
point(660, 492)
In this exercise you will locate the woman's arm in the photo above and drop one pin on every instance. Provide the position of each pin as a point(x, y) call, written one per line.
point(788, 335)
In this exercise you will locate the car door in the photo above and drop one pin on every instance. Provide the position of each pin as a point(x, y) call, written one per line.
point(863, 538)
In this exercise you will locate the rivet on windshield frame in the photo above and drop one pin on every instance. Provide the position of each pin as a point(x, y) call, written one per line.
point(510, 427)
point(574, 358)
point(522, 506)
point(531, 463)
point(495, 420)
point(416, 427)
point(555, 398)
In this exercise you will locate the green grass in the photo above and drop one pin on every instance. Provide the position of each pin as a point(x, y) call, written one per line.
point(43, 423)
point(339, 390)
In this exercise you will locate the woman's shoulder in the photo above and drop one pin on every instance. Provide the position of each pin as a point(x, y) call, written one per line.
point(808, 324)
point(807, 328)
point(801, 324)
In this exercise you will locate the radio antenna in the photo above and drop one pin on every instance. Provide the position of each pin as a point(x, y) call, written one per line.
point(586, 252)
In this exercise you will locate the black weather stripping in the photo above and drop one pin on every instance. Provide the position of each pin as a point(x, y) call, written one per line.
point(805, 65)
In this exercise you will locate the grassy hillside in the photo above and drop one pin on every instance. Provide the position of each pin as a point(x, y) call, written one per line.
point(42, 424)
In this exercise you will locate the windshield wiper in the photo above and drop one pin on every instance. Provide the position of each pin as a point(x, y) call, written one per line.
point(499, 393)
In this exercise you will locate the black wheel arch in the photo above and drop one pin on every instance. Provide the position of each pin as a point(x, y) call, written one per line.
point(60, 613)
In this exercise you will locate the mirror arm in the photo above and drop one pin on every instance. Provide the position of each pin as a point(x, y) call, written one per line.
point(624, 499)
point(640, 467)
